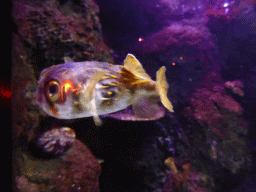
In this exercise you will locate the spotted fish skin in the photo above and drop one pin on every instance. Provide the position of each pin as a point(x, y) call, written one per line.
point(83, 89)
point(78, 74)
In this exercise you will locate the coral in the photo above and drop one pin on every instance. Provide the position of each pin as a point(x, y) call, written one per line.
point(54, 30)
point(176, 35)
point(182, 180)
point(208, 108)
point(57, 140)
point(160, 146)
point(220, 126)
point(187, 33)
point(236, 87)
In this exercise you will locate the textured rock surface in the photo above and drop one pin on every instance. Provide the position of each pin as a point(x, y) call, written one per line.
point(212, 151)
point(46, 32)
point(220, 127)
point(207, 134)
point(43, 33)
point(215, 137)
point(76, 170)
point(56, 29)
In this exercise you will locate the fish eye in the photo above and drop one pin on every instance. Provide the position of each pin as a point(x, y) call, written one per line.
point(53, 90)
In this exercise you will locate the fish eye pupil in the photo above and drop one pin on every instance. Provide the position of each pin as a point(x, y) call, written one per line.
point(53, 89)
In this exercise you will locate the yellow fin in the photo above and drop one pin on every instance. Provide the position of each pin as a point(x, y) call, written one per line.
point(97, 120)
point(134, 66)
point(91, 83)
point(162, 87)
point(68, 60)
point(88, 98)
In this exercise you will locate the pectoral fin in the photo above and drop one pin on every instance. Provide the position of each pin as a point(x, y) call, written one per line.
point(88, 96)
point(95, 116)
point(133, 65)
point(91, 83)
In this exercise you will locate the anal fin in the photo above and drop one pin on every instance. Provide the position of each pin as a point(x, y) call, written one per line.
point(128, 115)
point(145, 107)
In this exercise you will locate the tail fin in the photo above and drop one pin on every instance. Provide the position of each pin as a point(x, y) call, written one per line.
point(162, 87)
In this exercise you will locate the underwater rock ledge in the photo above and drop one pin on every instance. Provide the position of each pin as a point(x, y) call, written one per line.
point(76, 170)
point(43, 33)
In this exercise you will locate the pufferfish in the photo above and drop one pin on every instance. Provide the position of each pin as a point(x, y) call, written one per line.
point(84, 89)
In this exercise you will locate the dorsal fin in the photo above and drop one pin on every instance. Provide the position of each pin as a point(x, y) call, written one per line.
point(68, 60)
point(133, 65)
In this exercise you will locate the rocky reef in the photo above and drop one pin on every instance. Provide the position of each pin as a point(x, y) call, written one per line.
point(208, 144)
point(77, 170)
point(212, 150)
point(55, 29)
point(43, 33)
point(218, 123)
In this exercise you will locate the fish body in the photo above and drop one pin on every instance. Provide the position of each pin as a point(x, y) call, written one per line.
point(83, 89)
